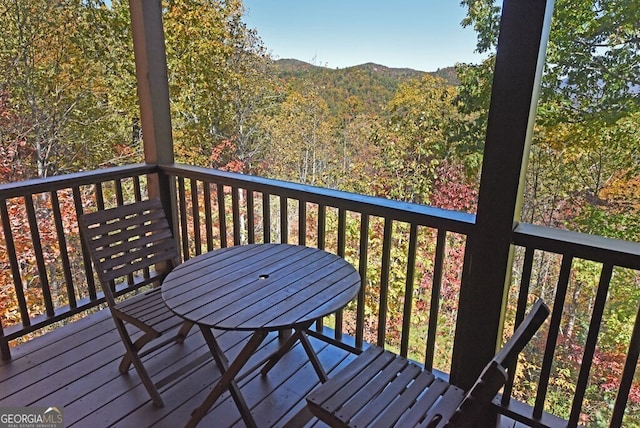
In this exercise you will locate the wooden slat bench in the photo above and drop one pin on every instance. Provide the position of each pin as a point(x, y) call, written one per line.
point(382, 389)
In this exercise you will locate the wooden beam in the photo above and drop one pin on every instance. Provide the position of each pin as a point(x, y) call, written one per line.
point(153, 85)
point(520, 57)
point(153, 96)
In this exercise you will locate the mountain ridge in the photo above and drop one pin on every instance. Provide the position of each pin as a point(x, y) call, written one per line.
point(297, 63)
point(374, 84)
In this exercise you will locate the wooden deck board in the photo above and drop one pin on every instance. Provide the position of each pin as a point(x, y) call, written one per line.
point(76, 367)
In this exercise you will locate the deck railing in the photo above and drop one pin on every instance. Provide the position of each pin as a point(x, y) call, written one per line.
point(42, 258)
point(400, 249)
point(589, 360)
point(409, 257)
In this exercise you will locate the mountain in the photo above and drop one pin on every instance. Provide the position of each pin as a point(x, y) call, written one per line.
point(373, 84)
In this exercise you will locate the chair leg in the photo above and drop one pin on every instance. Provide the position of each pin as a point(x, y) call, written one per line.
point(136, 346)
point(131, 357)
point(146, 381)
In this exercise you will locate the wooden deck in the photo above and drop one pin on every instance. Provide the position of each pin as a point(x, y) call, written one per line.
point(76, 367)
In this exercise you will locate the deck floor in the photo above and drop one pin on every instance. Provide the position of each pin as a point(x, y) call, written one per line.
point(76, 367)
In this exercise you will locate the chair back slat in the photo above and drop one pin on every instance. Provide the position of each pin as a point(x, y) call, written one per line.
point(124, 259)
point(523, 334)
point(494, 376)
point(129, 240)
point(138, 266)
point(107, 234)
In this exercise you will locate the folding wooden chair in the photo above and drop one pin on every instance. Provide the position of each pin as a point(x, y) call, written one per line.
point(132, 246)
point(381, 389)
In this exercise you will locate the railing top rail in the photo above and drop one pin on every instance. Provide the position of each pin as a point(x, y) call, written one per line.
point(453, 221)
point(581, 245)
point(39, 185)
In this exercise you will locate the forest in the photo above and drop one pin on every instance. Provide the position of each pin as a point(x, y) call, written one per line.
point(68, 103)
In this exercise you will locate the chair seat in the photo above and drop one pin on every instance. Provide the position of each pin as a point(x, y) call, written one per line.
point(149, 309)
point(382, 389)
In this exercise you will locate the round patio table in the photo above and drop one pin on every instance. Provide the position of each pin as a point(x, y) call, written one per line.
point(259, 288)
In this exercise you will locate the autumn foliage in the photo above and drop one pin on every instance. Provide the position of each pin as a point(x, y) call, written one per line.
point(68, 103)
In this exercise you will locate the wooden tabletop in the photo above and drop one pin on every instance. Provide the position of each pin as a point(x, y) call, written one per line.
point(260, 286)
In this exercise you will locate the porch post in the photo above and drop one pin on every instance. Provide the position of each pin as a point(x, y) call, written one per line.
point(153, 94)
point(524, 30)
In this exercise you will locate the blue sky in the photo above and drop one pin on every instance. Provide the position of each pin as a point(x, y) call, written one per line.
point(420, 34)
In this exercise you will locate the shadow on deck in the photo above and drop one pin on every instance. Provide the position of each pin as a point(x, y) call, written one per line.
point(76, 367)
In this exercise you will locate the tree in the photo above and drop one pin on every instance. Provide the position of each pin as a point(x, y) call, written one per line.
point(576, 167)
point(593, 55)
point(472, 101)
point(594, 58)
point(419, 135)
point(301, 146)
point(58, 80)
point(587, 114)
point(360, 161)
point(218, 82)
point(14, 151)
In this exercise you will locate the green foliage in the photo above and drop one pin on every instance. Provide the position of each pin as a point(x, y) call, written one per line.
point(60, 60)
point(594, 57)
point(218, 82)
point(374, 85)
point(419, 136)
point(472, 101)
point(484, 17)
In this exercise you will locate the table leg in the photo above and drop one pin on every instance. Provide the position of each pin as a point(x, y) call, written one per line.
point(313, 357)
point(282, 350)
point(227, 380)
point(299, 334)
